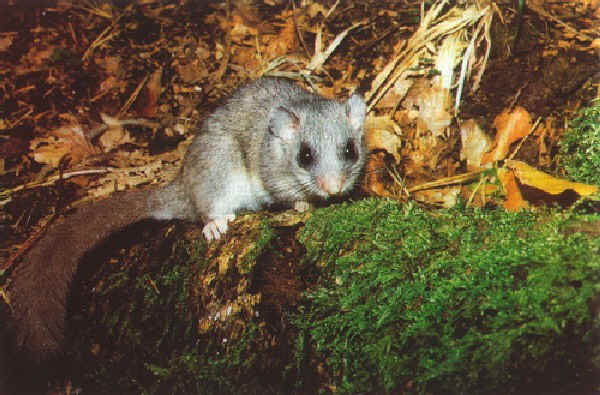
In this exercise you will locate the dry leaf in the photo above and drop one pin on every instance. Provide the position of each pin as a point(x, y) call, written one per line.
point(396, 93)
point(110, 64)
point(151, 94)
point(68, 140)
point(514, 199)
point(511, 126)
point(246, 57)
point(474, 143)
point(37, 57)
point(246, 20)
point(375, 171)
point(284, 43)
point(538, 179)
point(192, 72)
point(424, 155)
point(314, 9)
point(383, 133)
point(115, 135)
point(432, 103)
point(6, 42)
point(445, 197)
point(111, 82)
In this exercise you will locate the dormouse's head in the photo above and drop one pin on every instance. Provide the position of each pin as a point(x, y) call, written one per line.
point(320, 146)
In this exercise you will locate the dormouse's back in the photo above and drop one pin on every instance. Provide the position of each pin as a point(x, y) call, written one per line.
point(247, 110)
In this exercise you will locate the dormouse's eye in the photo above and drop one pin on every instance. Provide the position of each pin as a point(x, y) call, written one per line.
point(305, 156)
point(350, 152)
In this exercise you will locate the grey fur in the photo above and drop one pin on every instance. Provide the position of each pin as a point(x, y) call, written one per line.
point(246, 154)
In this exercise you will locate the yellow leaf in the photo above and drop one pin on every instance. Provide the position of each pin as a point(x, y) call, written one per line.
point(555, 186)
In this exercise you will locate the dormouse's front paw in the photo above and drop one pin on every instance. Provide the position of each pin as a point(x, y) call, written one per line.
point(301, 206)
point(213, 230)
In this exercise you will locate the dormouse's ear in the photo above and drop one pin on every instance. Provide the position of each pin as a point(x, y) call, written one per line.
point(283, 123)
point(356, 110)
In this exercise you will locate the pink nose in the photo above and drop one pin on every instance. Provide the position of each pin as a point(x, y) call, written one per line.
point(332, 185)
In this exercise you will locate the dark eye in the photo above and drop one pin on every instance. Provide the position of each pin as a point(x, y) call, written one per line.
point(305, 156)
point(350, 153)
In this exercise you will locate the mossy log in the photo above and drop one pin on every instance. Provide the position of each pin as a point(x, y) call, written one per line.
point(372, 297)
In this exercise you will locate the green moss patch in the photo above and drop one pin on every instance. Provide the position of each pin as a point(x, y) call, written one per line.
point(460, 301)
point(580, 146)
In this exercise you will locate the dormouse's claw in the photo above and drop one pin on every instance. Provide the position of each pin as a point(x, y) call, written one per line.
point(213, 230)
point(210, 232)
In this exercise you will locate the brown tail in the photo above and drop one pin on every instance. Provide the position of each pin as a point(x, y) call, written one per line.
point(40, 283)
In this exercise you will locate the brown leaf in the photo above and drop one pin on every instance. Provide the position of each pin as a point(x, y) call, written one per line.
point(396, 93)
point(511, 126)
point(111, 82)
point(284, 43)
point(110, 64)
point(444, 197)
point(192, 72)
point(514, 199)
point(6, 42)
point(68, 140)
point(151, 94)
point(432, 101)
point(375, 171)
point(383, 133)
point(115, 135)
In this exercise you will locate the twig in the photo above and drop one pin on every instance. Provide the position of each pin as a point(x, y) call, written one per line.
point(105, 36)
point(518, 147)
point(227, 50)
point(448, 180)
point(4, 194)
point(133, 96)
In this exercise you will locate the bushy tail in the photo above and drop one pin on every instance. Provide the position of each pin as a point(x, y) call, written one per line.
point(40, 283)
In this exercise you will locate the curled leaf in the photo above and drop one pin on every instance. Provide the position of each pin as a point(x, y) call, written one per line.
point(538, 179)
point(514, 199)
point(511, 126)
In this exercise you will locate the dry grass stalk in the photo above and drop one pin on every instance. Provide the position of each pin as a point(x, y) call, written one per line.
point(432, 28)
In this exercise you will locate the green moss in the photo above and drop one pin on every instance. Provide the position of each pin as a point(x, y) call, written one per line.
point(457, 301)
point(215, 368)
point(580, 146)
point(401, 301)
point(263, 242)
